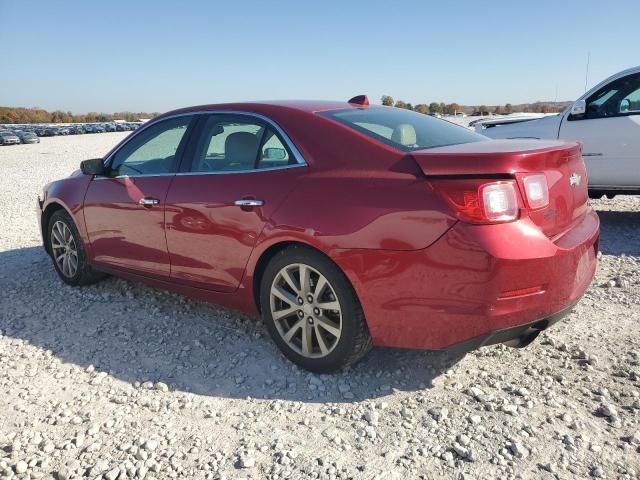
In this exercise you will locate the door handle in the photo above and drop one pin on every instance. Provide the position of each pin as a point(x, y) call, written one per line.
point(248, 202)
point(148, 201)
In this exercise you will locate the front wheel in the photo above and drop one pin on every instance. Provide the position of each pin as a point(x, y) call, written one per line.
point(312, 312)
point(68, 253)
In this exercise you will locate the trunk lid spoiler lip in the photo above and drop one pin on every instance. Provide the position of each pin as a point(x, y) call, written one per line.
point(493, 157)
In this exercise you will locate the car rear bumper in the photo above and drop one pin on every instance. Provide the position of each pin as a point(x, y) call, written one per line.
point(475, 281)
point(518, 336)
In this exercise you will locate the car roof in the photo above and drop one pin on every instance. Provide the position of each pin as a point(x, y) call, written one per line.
point(308, 106)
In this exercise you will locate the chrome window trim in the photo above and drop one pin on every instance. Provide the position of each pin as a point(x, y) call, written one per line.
point(135, 176)
point(221, 172)
point(252, 170)
point(301, 162)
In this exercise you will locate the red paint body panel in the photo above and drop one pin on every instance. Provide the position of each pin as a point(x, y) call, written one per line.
point(124, 233)
point(68, 193)
point(557, 160)
point(424, 279)
point(390, 212)
point(448, 293)
point(211, 239)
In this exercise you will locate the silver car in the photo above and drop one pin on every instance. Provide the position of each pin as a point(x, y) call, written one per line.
point(9, 138)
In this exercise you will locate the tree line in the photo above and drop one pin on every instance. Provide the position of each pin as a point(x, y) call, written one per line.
point(38, 115)
point(453, 108)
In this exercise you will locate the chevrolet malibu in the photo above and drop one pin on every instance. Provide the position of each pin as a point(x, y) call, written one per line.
point(344, 225)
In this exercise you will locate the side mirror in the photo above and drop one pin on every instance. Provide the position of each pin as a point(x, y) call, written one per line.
point(625, 105)
point(579, 107)
point(95, 166)
point(273, 153)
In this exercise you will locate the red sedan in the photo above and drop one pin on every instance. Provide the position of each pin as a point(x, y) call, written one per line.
point(344, 225)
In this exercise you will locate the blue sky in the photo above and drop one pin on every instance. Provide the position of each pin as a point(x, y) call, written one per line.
point(114, 55)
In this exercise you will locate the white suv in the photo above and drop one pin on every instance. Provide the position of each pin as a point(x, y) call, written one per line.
point(606, 120)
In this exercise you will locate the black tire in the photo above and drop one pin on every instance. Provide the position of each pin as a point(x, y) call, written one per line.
point(355, 340)
point(595, 194)
point(85, 274)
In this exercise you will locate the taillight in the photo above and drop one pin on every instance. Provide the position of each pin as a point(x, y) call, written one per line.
point(536, 190)
point(481, 201)
point(499, 201)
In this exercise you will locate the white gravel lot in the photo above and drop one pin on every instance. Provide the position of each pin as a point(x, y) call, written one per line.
point(120, 381)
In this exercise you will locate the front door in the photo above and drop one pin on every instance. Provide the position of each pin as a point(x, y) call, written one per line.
point(124, 211)
point(609, 131)
point(238, 171)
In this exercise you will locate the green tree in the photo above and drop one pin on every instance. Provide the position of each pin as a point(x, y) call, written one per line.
point(387, 100)
point(508, 108)
point(401, 104)
point(421, 108)
point(452, 108)
point(435, 107)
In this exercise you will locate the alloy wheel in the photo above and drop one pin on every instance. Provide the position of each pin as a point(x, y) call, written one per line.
point(64, 249)
point(306, 310)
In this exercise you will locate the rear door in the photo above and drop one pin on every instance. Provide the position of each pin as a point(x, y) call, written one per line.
point(235, 175)
point(124, 211)
point(610, 133)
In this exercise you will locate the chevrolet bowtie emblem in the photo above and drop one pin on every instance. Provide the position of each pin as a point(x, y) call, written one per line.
point(574, 179)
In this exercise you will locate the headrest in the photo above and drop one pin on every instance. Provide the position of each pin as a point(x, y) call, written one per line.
point(241, 147)
point(404, 134)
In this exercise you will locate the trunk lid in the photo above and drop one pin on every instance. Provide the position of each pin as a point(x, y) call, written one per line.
point(561, 163)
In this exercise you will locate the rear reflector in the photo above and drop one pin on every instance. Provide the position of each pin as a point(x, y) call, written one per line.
point(521, 292)
point(481, 201)
point(536, 190)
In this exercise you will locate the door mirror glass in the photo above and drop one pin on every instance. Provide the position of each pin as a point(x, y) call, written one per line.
point(275, 154)
point(625, 105)
point(95, 166)
point(579, 107)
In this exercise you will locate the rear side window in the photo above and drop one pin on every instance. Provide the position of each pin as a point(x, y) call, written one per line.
point(238, 143)
point(403, 129)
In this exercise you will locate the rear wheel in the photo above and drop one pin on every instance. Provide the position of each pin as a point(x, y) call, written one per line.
point(312, 312)
point(68, 253)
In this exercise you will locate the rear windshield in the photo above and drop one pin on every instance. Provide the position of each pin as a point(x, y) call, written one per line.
point(403, 129)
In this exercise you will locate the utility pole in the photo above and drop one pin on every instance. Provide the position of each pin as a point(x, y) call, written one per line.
point(586, 75)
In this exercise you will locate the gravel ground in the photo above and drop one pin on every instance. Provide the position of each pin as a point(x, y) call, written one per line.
point(121, 381)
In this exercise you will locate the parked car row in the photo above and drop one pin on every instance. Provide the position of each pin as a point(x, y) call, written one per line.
point(16, 134)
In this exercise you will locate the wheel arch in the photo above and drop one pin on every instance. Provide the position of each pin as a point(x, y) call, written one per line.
point(271, 251)
point(48, 211)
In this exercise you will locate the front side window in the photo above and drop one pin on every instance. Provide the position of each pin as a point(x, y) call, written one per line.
point(153, 151)
point(620, 97)
point(231, 143)
point(403, 129)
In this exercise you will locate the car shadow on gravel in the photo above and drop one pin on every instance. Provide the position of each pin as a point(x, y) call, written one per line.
point(140, 334)
point(619, 232)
